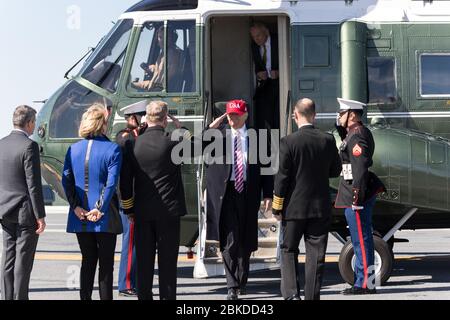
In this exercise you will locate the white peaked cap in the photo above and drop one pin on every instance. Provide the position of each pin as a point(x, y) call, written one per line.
point(346, 104)
point(135, 108)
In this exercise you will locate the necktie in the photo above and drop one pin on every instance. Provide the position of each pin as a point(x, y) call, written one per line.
point(264, 55)
point(238, 164)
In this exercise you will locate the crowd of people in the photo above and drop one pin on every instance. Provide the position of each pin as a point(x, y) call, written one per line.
point(133, 186)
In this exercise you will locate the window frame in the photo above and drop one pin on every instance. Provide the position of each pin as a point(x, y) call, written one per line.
point(139, 25)
point(79, 77)
point(85, 85)
point(420, 54)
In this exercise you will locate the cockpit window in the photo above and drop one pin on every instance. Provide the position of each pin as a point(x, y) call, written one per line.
point(150, 73)
point(105, 66)
point(69, 107)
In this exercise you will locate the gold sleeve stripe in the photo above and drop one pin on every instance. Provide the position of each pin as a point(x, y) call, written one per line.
point(128, 201)
point(277, 206)
point(278, 200)
point(128, 204)
point(277, 203)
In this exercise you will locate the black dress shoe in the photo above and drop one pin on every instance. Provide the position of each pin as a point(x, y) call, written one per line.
point(294, 297)
point(358, 291)
point(242, 291)
point(128, 293)
point(232, 294)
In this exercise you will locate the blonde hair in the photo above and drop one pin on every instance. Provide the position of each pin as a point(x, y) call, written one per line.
point(93, 121)
point(157, 112)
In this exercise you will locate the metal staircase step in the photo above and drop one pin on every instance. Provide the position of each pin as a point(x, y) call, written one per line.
point(267, 223)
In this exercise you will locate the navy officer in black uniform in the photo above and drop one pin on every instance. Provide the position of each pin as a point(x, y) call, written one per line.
point(358, 189)
point(126, 139)
point(158, 203)
point(308, 158)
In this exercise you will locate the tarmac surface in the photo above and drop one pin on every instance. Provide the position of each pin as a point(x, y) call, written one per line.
point(421, 270)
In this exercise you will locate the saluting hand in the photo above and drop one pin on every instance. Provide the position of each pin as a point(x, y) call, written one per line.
point(175, 121)
point(216, 123)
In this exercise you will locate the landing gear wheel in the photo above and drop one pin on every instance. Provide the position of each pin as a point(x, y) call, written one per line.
point(384, 260)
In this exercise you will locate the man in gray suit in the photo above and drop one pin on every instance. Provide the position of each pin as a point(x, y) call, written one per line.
point(22, 212)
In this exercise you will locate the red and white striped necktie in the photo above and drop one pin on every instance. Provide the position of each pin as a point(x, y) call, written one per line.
point(238, 164)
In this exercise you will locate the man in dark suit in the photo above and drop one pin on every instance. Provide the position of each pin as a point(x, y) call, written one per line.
point(267, 93)
point(22, 211)
point(158, 204)
point(308, 158)
point(234, 186)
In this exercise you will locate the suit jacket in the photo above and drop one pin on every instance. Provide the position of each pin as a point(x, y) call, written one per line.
point(308, 158)
point(259, 64)
point(158, 186)
point(217, 179)
point(103, 175)
point(21, 198)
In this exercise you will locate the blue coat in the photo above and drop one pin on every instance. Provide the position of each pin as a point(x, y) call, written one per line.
point(104, 170)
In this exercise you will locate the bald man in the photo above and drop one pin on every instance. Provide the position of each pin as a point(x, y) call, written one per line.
point(308, 158)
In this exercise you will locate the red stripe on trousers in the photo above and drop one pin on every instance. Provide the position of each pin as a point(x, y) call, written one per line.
point(130, 256)
point(363, 250)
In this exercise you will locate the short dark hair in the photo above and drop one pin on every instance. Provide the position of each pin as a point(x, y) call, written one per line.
point(23, 115)
point(306, 107)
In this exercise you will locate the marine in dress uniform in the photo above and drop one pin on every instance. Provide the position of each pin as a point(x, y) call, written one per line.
point(234, 198)
point(126, 139)
point(308, 158)
point(358, 188)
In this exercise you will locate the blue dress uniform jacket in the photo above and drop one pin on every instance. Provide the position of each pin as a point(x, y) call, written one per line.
point(357, 150)
point(104, 170)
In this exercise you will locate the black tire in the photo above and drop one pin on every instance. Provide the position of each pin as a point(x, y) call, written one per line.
point(381, 247)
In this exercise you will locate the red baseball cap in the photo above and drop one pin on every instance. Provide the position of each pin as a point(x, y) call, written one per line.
point(238, 107)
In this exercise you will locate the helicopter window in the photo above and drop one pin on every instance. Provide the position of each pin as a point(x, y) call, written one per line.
point(105, 66)
point(69, 108)
point(181, 74)
point(435, 74)
point(382, 82)
point(148, 73)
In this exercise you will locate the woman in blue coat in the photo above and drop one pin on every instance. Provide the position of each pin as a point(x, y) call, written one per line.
point(90, 177)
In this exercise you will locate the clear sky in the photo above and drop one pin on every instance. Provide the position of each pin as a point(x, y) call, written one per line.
point(41, 40)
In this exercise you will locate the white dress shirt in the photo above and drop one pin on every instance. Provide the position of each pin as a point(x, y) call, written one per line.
point(269, 55)
point(243, 135)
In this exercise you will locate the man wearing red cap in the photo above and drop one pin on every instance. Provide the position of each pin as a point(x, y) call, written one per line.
point(234, 197)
